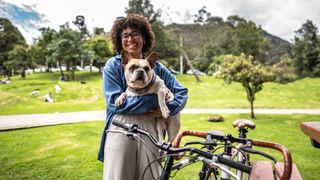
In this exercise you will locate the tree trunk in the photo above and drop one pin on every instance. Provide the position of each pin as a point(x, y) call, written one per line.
point(73, 69)
point(191, 66)
point(8, 74)
point(251, 108)
point(23, 73)
point(60, 68)
point(47, 66)
point(91, 63)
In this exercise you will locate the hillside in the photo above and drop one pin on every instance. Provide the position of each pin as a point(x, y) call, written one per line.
point(196, 37)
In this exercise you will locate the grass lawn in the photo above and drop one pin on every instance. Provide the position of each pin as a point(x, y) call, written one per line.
point(70, 151)
point(211, 93)
point(15, 97)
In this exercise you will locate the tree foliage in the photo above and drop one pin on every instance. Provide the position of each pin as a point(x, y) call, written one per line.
point(164, 44)
point(284, 71)
point(202, 16)
point(306, 50)
point(42, 47)
point(10, 36)
point(101, 48)
point(248, 72)
point(248, 39)
point(67, 49)
point(145, 8)
point(20, 59)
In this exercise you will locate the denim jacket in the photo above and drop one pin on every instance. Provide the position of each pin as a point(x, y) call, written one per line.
point(114, 83)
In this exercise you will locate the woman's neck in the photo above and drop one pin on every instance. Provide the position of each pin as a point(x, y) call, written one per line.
point(136, 56)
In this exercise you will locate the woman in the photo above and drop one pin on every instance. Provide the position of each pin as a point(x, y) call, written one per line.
point(125, 158)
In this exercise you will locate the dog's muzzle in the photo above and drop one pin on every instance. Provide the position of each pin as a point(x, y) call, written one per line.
point(140, 75)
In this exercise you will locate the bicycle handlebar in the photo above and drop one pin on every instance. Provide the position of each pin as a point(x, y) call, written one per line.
point(133, 128)
point(282, 149)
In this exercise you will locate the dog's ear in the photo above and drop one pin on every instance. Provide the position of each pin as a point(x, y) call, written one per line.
point(152, 58)
point(125, 57)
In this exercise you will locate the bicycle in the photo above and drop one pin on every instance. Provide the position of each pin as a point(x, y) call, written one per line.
point(242, 150)
point(211, 161)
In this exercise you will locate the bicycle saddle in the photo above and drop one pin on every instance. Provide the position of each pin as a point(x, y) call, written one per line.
point(244, 123)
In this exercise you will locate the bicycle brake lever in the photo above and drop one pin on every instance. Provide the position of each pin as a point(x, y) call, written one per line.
point(131, 135)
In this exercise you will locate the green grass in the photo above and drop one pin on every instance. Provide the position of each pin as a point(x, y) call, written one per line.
point(70, 151)
point(211, 93)
point(15, 97)
point(215, 93)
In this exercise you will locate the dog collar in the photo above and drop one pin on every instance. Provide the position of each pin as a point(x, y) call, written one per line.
point(144, 89)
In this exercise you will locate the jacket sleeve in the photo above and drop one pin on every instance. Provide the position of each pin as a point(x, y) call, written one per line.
point(114, 84)
point(180, 93)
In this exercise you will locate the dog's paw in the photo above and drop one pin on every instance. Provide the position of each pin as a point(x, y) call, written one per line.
point(119, 101)
point(169, 97)
point(165, 113)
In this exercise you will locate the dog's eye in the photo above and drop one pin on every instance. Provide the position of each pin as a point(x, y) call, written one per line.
point(146, 68)
point(132, 68)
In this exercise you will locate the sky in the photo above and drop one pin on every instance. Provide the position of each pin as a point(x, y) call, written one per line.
point(278, 17)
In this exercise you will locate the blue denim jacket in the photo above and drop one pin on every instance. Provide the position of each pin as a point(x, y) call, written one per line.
point(114, 84)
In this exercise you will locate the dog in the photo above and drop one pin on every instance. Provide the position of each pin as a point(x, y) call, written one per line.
point(57, 88)
point(142, 80)
point(34, 93)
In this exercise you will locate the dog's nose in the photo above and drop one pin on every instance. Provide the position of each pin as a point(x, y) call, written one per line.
point(140, 74)
point(140, 71)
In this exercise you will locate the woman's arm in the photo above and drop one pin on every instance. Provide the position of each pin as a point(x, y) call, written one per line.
point(114, 84)
point(180, 93)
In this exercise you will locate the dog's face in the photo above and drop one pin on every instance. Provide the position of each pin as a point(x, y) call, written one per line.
point(138, 72)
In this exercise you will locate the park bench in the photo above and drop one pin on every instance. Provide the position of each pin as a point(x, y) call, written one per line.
point(312, 129)
point(263, 170)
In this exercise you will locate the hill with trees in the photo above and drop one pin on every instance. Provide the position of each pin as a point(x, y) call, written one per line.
point(204, 41)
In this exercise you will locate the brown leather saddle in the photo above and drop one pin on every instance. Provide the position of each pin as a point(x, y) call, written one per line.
point(244, 123)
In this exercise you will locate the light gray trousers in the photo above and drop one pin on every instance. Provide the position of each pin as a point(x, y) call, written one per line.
point(127, 159)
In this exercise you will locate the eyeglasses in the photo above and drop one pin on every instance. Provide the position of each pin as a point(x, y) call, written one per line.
point(133, 35)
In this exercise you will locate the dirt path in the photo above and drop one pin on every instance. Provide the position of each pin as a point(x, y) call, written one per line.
point(9, 122)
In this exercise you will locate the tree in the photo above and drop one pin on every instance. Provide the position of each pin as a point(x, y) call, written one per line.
point(145, 8)
point(233, 21)
point(43, 45)
point(67, 49)
point(306, 50)
point(202, 16)
point(283, 71)
point(249, 73)
point(164, 44)
point(248, 39)
point(20, 59)
point(9, 37)
point(101, 47)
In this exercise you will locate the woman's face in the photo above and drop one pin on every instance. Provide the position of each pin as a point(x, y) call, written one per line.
point(132, 41)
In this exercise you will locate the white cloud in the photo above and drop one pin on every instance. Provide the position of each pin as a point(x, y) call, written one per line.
point(278, 17)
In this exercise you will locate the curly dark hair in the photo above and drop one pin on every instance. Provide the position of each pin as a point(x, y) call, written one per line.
point(133, 21)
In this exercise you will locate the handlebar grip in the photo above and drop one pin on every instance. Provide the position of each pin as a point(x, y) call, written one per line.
point(121, 124)
point(233, 164)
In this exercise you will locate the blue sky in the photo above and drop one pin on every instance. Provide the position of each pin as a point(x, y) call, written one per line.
point(278, 17)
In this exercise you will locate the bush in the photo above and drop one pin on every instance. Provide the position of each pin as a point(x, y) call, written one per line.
point(215, 118)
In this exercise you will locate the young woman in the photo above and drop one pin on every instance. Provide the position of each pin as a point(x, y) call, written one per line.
point(126, 159)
